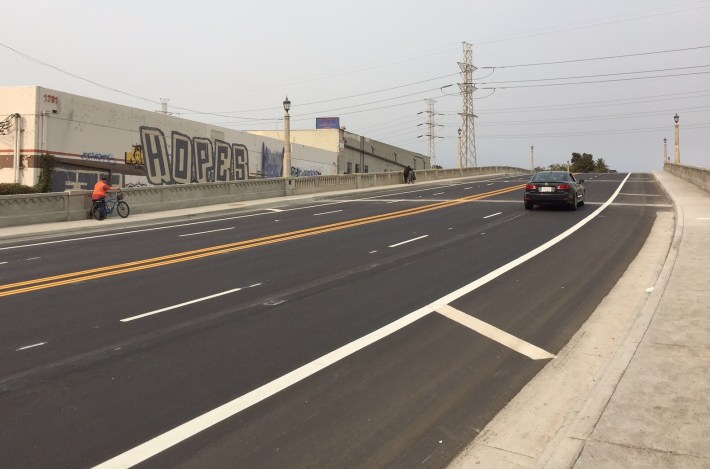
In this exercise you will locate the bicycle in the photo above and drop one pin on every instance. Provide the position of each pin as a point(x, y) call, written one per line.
point(103, 208)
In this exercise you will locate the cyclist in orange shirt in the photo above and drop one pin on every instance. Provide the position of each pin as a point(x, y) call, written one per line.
point(99, 196)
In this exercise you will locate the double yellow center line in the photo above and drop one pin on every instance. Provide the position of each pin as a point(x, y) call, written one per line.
point(107, 271)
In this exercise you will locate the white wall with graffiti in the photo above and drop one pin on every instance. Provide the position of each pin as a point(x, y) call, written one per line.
point(137, 147)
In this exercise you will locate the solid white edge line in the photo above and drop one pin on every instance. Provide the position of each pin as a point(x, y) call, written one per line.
point(495, 334)
point(205, 232)
point(408, 241)
point(186, 430)
point(30, 346)
point(493, 215)
point(197, 300)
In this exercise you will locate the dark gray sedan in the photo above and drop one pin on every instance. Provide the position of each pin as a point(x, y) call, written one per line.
point(554, 188)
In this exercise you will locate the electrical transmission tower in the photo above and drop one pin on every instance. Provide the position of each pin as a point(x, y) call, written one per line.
point(431, 124)
point(164, 105)
point(468, 127)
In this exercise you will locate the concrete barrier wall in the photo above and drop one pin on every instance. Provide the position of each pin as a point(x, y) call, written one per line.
point(74, 205)
point(693, 174)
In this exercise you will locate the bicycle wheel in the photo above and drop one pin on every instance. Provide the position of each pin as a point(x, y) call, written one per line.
point(123, 209)
point(96, 211)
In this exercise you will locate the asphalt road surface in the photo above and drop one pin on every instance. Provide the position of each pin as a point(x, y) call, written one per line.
point(382, 330)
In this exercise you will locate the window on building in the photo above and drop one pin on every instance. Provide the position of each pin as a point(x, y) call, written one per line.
point(367, 169)
point(357, 167)
point(350, 168)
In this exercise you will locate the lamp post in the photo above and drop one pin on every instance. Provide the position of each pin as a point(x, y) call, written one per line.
point(677, 139)
point(665, 150)
point(287, 140)
point(532, 158)
point(459, 154)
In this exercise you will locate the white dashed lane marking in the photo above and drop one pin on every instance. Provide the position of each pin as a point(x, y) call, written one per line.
point(205, 232)
point(408, 241)
point(30, 346)
point(326, 213)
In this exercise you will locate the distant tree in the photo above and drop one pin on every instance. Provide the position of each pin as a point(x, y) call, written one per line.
point(600, 166)
point(436, 166)
point(558, 167)
point(582, 163)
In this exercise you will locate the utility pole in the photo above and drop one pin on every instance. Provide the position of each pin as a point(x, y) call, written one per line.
point(468, 146)
point(665, 150)
point(676, 151)
point(459, 153)
point(532, 158)
point(164, 105)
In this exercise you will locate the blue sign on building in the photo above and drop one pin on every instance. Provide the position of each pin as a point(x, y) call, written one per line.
point(327, 122)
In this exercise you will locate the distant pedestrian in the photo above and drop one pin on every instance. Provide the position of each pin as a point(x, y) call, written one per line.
point(408, 173)
point(409, 176)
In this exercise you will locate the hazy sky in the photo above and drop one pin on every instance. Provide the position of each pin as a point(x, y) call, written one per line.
point(373, 63)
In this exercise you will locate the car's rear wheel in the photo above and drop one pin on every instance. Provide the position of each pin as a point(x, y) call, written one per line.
point(573, 206)
point(528, 206)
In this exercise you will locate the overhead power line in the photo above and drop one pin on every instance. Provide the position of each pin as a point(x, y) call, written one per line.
point(596, 58)
point(663, 112)
point(594, 76)
point(73, 75)
point(595, 81)
point(686, 127)
point(598, 22)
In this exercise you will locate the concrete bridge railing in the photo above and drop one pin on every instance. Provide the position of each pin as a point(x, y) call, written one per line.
point(18, 210)
point(693, 174)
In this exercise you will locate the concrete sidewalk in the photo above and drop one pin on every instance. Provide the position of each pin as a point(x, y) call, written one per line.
point(632, 388)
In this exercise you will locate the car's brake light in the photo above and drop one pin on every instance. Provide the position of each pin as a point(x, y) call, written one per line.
point(530, 187)
point(564, 187)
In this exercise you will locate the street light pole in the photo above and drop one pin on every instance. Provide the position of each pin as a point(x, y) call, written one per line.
point(287, 140)
point(677, 139)
point(665, 150)
point(532, 158)
point(459, 154)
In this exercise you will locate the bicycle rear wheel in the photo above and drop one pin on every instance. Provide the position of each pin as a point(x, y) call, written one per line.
point(123, 209)
point(96, 211)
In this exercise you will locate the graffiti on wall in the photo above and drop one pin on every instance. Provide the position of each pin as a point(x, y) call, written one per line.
point(103, 157)
point(191, 159)
point(298, 172)
point(64, 180)
point(271, 162)
point(272, 165)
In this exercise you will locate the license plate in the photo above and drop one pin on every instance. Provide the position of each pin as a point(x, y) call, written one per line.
point(547, 189)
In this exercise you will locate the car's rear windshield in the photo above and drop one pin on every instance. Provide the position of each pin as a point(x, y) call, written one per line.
point(550, 177)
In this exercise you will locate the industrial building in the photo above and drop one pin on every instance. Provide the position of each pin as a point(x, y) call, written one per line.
point(356, 153)
point(89, 138)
